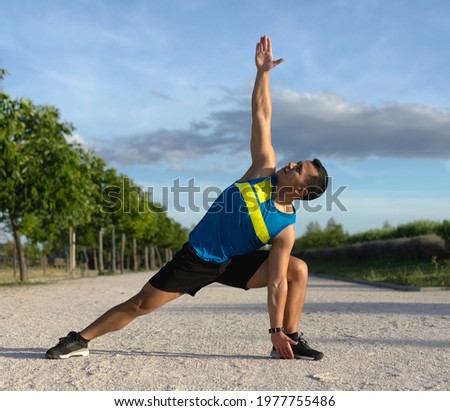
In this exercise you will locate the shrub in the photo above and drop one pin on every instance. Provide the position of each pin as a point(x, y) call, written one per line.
point(415, 248)
point(416, 228)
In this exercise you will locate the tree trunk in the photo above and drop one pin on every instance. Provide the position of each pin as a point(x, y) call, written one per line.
point(146, 258)
point(44, 264)
point(72, 251)
point(135, 260)
point(69, 266)
point(113, 251)
point(14, 260)
point(152, 257)
point(100, 251)
point(158, 255)
point(122, 254)
point(94, 254)
point(167, 255)
point(20, 252)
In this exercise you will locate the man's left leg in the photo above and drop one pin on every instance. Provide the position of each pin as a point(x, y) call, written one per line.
point(297, 277)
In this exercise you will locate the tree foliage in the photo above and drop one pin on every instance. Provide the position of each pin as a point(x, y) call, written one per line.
point(48, 185)
point(332, 235)
point(45, 181)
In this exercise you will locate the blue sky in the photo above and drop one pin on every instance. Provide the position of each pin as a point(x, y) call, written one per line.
point(161, 90)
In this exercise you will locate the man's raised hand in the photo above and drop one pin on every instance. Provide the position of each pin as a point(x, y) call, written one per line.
point(263, 58)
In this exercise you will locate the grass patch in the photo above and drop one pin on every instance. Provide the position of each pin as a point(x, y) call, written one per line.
point(18, 283)
point(435, 273)
point(36, 276)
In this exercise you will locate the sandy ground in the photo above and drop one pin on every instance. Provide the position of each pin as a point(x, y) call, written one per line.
point(373, 339)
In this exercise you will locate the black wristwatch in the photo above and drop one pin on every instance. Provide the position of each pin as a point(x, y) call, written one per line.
point(276, 330)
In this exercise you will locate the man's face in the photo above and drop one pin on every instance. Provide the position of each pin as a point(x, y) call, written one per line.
point(296, 174)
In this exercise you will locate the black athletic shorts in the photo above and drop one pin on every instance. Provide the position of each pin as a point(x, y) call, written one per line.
point(188, 273)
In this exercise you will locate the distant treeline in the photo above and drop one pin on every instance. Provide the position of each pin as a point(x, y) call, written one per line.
point(333, 235)
point(426, 247)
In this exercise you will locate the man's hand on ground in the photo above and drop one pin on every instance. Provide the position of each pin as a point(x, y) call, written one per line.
point(282, 343)
point(263, 58)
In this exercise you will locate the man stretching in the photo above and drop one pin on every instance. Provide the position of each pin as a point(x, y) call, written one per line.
point(225, 245)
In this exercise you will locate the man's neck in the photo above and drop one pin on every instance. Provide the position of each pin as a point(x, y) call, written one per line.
point(283, 198)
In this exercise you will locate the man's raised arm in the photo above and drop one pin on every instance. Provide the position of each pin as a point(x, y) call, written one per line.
point(263, 155)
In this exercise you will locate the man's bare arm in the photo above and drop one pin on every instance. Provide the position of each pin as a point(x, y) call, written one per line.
point(277, 288)
point(262, 152)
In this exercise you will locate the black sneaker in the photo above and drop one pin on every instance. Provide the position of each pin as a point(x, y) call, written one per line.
point(70, 346)
point(302, 351)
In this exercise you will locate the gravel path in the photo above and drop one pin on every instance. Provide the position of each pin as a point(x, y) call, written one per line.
point(373, 339)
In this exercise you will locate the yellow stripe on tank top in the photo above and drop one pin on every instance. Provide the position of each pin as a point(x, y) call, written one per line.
point(255, 213)
point(263, 190)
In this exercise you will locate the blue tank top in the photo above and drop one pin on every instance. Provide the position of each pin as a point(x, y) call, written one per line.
point(241, 220)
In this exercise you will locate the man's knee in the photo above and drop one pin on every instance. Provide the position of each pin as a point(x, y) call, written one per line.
point(149, 299)
point(137, 306)
point(297, 270)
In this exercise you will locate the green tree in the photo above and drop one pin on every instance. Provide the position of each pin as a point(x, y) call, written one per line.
point(313, 237)
point(129, 218)
point(416, 228)
point(44, 183)
point(334, 234)
point(444, 230)
point(105, 182)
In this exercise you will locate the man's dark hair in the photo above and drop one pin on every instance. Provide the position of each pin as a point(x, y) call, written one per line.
point(317, 184)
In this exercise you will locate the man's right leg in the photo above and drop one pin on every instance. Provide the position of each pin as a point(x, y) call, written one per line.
point(146, 301)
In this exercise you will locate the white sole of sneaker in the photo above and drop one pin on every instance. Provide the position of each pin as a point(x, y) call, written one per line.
point(83, 352)
point(299, 357)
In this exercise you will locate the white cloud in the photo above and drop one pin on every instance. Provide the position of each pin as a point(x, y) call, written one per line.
point(303, 126)
point(325, 124)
